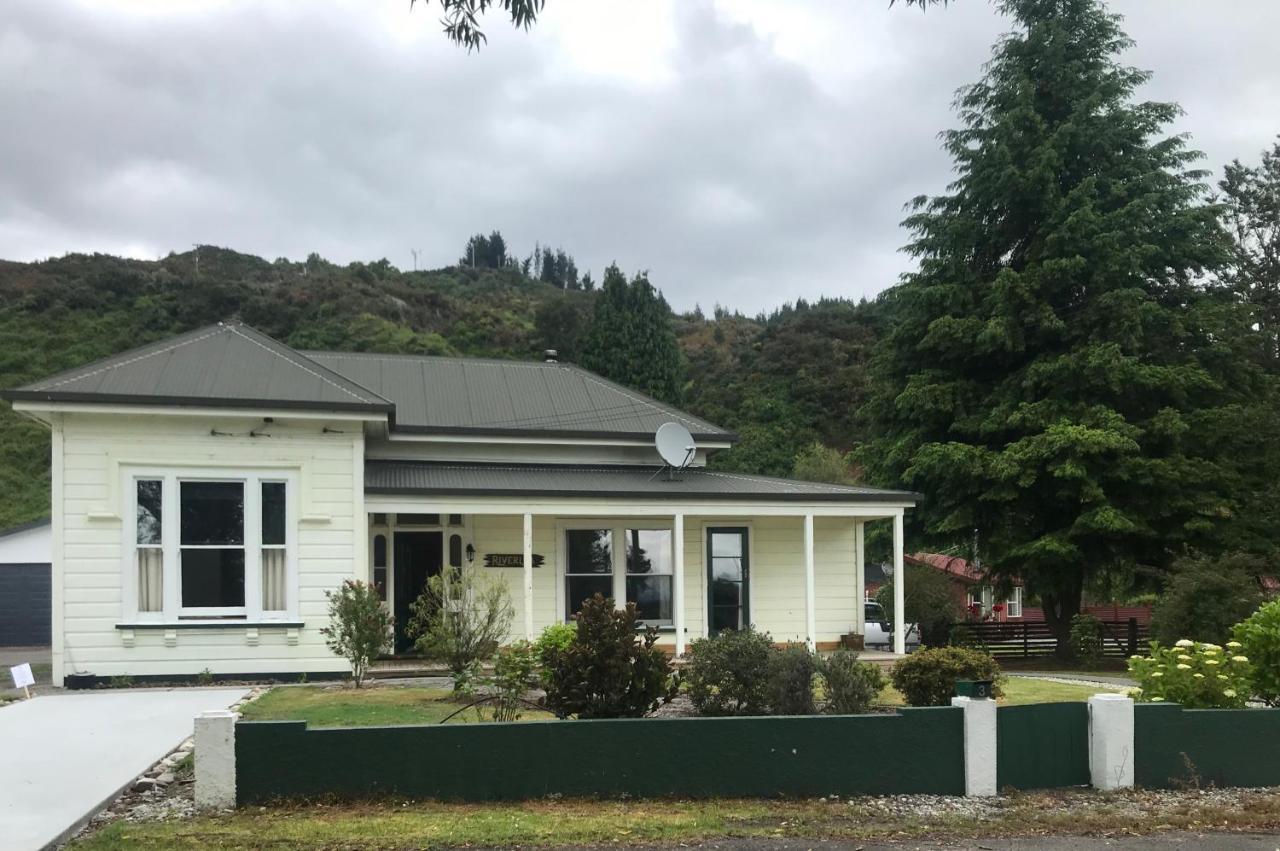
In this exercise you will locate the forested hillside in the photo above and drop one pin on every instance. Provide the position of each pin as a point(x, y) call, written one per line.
point(783, 381)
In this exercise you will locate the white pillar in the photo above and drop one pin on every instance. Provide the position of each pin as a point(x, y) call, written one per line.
point(860, 576)
point(528, 577)
point(677, 579)
point(899, 590)
point(979, 745)
point(215, 748)
point(810, 602)
point(1111, 741)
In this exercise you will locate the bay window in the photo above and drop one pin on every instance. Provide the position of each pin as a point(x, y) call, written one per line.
point(211, 547)
point(639, 571)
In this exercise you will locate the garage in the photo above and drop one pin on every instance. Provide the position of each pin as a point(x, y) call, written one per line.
point(26, 598)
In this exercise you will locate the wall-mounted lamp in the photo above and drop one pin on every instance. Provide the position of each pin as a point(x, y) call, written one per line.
point(471, 553)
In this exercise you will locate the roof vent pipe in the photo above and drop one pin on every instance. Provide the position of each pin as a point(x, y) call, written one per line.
point(550, 356)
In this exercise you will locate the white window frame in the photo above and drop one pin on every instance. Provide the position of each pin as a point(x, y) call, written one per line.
point(1014, 601)
point(171, 479)
point(618, 528)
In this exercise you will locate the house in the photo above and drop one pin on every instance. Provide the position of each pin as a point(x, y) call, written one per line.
point(25, 606)
point(973, 589)
point(210, 488)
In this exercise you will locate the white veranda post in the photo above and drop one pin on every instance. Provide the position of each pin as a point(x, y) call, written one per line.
point(528, 577)
point(677, 571)
point(899, 590)
point(810, 592)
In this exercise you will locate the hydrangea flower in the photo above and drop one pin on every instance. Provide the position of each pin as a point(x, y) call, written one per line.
point(1157, 699)
point(1158, 674)
point(1234, 644)
point(1182, 666)
point(1223, 677)
point(1239, 658)
point(1183, 657)
point(1230, 692)
point(1184, 642)
point(1211, 661)
point(1198, 675)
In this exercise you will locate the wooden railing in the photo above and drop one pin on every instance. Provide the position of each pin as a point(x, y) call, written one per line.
point(1025, 639)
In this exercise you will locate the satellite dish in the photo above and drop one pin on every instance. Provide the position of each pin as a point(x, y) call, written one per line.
point(675, 445)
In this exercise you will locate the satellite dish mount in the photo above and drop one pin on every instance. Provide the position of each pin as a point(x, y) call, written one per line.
point(675, 447)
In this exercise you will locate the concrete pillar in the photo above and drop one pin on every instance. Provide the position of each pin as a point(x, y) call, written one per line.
point(899, 589)
point(215, 749)
point(677, 579)
point(1111, 741)
point(979, 745)
point(528, 577)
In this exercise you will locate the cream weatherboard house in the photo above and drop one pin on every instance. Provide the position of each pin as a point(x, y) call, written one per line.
point(209, 489)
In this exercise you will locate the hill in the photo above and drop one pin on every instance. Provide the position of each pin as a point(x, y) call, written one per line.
point(782, 381)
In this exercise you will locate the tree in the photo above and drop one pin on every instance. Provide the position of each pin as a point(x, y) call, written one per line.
point(359, 626)
point(460, 619)
point(820, 463)
point(487, 252)
point(1206, 596)
point(932, 604)
point(1053, 367)
point(631, 339)
point(1251, 213)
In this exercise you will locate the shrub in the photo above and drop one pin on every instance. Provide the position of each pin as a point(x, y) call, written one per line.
point(1206, 596)
point(1257, 638)
point(359, 626)
point(459, 619)
point(928, 677)
point(608, 671)
point(931, 603)
point(1086, 639)
point(851, 686)
point(727, 674)
point(514, 673)
point(1195, 675)
point(790, 681)
point(558, 636)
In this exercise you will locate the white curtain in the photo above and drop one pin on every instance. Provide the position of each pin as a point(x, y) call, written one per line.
point(150, 579)
point(273, 596)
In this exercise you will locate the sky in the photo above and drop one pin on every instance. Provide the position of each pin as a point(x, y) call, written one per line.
point(744, 152)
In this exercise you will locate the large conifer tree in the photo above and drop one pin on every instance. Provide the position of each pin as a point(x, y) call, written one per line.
point(631, 339)
point(1052, 367)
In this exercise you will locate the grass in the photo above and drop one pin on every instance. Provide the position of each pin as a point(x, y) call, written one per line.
point(1022, 690)
point(341, 706)
point(400, 825)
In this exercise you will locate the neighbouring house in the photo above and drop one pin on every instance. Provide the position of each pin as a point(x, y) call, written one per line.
point(210, 488)
point(25, 597)
point(974, 592)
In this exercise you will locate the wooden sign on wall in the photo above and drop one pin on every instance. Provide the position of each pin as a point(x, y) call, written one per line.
point(510, 560)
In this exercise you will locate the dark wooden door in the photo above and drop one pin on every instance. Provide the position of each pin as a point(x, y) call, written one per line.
point(417, 558)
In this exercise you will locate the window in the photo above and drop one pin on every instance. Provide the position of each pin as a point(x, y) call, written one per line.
point(455, 519)
point(1015, 603)
point(212, 547)
point(649, 574)
point(588, 567)
point(380, 565)
point(209, 548)
point(455, 551)
point(727, 575)
point(150, 544)
point(418, 519)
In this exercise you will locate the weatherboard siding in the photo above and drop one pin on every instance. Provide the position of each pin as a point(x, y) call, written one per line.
point(96, 454)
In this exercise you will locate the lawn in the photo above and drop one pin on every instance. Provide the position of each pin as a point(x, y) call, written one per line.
point(342, 706)
point(399, 825)
point(1022, 690)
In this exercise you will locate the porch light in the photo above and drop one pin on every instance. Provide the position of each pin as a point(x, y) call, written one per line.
point(471, 553)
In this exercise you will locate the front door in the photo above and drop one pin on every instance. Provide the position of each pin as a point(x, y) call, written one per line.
point(728, 578)
point(417, 558)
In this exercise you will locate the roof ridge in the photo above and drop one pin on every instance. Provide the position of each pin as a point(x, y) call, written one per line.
point(588, 375)
point(332, 353)
point(371, 396)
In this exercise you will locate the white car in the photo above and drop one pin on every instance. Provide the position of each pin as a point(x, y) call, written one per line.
point(877, 633)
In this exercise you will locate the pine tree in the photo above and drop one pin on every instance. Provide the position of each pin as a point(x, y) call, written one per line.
point(1252, 215)
point(1052, 365)
point(631, 339)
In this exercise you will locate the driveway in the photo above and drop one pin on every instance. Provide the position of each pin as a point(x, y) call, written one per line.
point(67, 755)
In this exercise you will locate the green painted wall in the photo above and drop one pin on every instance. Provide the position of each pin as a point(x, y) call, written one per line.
point(916, 750)
point(1042, 746)
point(1225, 747)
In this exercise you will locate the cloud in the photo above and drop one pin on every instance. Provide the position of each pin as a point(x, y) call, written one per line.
point(745, 152)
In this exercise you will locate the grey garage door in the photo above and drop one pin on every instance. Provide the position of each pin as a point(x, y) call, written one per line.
point(25, 604)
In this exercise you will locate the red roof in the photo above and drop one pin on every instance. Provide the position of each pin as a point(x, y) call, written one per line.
point(954, 565)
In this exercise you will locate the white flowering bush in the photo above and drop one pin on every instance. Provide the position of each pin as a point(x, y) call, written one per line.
point(1196, 675)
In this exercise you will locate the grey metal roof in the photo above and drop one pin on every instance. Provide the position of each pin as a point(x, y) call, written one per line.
point(223, 365)
point(459, 395)
point(603, 481)
point(24, 527)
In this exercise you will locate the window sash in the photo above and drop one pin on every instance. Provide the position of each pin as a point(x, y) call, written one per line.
point(621, 583)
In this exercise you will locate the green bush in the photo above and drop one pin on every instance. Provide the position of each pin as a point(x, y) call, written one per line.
point(558, 636)
point(790, 681)
point(928, 677)
point(460, 619)
point(1206, 596)
point(931, 603)
point(608, 671)
point(1086, 639)
point(359, 626)
point(728, 674)
point(1257, 638)
point(851, 686)
point(1194, 675)
point(514, 673)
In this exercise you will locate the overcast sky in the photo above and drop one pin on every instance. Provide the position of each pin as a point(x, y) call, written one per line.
point(745, 152)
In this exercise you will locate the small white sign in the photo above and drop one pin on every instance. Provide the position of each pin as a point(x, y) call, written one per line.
point(22, 676)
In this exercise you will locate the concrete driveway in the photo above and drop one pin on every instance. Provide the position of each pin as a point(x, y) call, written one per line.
point(67, 755)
